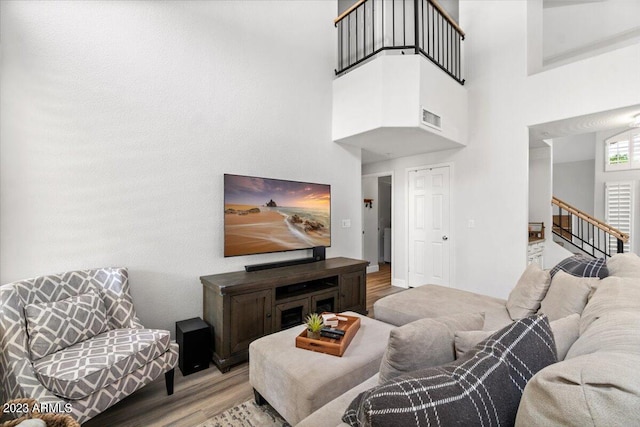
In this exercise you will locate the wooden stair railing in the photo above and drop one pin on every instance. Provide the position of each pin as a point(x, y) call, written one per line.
point(590, 234)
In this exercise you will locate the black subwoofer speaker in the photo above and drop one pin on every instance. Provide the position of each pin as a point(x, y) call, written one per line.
point(194, 338)
point(319, 253)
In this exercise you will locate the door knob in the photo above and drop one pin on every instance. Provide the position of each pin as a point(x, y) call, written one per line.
point(445, 238)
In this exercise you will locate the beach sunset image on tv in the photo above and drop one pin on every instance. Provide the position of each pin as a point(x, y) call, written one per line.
point(270, 215)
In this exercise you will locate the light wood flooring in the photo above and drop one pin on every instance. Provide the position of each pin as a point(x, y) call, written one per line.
point(200, 396)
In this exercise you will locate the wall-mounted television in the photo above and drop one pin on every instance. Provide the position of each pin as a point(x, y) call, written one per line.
point(264, 215)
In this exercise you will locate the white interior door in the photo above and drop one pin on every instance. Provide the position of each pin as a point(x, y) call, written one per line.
point(429, 212)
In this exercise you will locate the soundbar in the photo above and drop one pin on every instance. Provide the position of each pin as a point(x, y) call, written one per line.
point(277, 264)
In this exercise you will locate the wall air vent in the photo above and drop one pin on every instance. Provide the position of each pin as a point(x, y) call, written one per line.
point(431, 119)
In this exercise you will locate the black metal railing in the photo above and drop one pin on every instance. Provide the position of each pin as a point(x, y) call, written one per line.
point(420, 26)
point(585, 232)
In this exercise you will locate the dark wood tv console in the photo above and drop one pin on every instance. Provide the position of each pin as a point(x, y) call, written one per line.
point(243, 306)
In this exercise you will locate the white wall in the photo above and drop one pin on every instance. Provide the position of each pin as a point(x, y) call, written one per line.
point(573, 182)
point(118, 120)
point(481, 178)
point(602, 177)
point(452, 7)
point(574, 148)
point(541, 175)
point(582, 28)
point(344, 5)
point(540, 187)
point(601, 83)
point(490, 175)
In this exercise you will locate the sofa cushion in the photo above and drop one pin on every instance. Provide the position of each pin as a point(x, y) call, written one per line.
point(424, 343)
point(624, 265)
point(582, 266)
point(614, 294)
point(86, 367)
point(601, 389)
point(615, 332)
point(53, 326)
point(567, 294)
point(524, 299)
point(598, 382)
point(436, 301)
point(565, 333)
point(481, 388)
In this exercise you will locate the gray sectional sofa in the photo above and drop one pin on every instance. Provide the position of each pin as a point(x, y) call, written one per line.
point(597, 383)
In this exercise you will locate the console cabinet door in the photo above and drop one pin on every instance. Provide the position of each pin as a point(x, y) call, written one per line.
point(327, 301)
point(353, 292)
point(250, 318)
point(291, 313)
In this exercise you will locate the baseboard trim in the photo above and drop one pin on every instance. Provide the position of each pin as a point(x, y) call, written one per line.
point(401, 283)
point(373, 268)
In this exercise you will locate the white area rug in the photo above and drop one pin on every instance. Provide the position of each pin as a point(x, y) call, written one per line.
point(247, 414)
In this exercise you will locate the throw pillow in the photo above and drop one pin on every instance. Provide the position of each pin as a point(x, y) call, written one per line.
point(565, 333)
point(53, 326)
point(424, 343)
point(466, 340)
point(482, 388)
point(582, 266)
point(524, 299)
point(567, 294)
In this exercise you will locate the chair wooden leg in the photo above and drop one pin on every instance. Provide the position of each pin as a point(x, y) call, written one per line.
point(168, 378)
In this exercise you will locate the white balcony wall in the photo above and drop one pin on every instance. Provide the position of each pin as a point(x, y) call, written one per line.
point(378, 107)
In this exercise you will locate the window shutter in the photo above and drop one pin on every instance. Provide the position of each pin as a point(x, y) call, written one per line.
point(619, 213)
point(635, 149)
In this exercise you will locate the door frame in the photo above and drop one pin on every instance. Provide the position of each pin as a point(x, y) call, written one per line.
point(393, 215)
point(452, 239)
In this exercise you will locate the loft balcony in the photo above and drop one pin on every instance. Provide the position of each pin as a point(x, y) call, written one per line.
point(370, 27)
point(399, 86)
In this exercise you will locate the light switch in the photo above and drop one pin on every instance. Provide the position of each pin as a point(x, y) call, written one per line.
point(346, 223)
point(472, 223)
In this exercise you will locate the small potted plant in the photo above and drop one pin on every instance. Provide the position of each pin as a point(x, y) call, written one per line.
point(314, 324)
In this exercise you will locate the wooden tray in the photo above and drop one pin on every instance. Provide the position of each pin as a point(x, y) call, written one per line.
point(330, 345)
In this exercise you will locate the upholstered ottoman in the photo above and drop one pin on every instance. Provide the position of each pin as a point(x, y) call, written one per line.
point(297, 382)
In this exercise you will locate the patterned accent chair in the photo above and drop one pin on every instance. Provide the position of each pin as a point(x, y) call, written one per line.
point(74, 339)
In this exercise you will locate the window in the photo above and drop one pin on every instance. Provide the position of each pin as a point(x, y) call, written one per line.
point(619, 210)
point(622, 151)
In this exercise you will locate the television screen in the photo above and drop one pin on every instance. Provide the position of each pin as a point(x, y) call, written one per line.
point(270, 215)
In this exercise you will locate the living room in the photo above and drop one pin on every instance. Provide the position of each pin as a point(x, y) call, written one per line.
point(119, 119)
